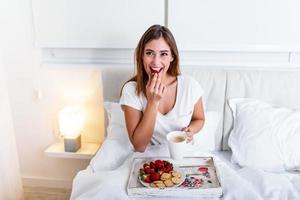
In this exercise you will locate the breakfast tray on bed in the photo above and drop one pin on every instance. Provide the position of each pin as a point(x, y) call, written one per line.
point(201, 179)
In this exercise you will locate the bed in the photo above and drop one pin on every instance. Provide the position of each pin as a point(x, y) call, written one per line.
point(252, 131)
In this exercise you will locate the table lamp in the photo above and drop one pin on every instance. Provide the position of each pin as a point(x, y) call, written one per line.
point(70, 126)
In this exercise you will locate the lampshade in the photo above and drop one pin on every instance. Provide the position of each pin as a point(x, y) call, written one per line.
point(70, 126)
point(70, 122)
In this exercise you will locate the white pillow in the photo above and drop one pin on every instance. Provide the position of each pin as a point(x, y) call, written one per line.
point(116, 123)
point(205, 139)
point(264, 136)
point(116, 147)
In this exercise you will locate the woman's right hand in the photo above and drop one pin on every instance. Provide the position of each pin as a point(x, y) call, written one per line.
point(155, 90)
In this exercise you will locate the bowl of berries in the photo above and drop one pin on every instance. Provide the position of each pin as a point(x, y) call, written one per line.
point(160, 174)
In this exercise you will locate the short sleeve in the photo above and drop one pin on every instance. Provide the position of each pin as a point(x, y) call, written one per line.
point(129, 96)
point(197, 91)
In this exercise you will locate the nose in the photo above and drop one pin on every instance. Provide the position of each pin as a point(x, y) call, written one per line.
point(156, 59)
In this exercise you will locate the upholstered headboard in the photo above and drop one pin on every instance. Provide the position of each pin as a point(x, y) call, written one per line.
point(278, 87)
point(112, 81)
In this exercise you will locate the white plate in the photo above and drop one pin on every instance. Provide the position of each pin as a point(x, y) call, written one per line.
point(177, 169)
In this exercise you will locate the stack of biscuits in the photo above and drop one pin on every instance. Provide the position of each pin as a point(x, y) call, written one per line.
point(167, 180)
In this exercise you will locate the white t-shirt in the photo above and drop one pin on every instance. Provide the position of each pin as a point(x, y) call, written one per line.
point(189, 92)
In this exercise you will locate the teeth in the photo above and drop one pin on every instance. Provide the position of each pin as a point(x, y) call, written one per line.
point(156, 68)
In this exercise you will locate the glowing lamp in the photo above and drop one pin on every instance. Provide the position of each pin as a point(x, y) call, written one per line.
point(70, 127)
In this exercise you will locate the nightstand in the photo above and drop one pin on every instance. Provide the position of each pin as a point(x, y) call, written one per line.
point(87, 151)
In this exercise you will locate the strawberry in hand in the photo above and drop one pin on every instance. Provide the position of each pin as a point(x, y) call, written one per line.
point(153, 71)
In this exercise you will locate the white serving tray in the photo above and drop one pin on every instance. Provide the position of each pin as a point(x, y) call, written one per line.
point(210, 185)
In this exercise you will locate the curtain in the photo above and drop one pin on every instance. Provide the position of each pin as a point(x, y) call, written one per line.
point(10, 179)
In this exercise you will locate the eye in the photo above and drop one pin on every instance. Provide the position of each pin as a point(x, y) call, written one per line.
point(164, 54)
point(149, 53)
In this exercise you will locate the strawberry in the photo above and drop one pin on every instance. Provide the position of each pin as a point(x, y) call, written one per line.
point(146, 165)
point(154, 176)
point(168, 168)
point(161, 171)
point(159, 164)
point(155, 71)
point(147, 170)
point(165, 162)
point(146, 178)
point(152, 165)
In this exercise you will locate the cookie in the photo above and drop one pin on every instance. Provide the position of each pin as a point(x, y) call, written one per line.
point(168, 183)
point(175, 180)
point(160, 185)
point(165, 176)
point(176, 174)
point(157, 182)
point(152, 185)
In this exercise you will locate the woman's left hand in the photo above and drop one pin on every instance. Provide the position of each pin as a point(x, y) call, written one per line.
point(189, 133)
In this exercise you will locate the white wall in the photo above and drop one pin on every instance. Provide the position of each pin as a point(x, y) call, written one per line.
point(10, 178)
point(260, 33)
point(235, 24)
point(94, 23)
point(35, 119)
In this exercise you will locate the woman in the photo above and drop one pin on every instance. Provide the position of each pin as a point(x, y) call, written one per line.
point(158, 100)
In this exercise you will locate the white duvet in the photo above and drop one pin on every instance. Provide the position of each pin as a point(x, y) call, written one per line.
point(106, 177)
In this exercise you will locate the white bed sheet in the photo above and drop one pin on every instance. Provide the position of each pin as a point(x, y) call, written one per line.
point(237, 183)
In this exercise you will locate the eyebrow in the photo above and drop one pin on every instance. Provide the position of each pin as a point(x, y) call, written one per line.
point(162, 51)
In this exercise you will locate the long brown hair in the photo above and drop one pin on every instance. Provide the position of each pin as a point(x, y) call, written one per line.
point(154, 32)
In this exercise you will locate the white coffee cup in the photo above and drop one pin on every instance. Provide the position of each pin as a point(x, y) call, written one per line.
point(177, 141)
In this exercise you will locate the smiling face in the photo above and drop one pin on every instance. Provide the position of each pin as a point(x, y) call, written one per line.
point(157, 56)
point(155, 39)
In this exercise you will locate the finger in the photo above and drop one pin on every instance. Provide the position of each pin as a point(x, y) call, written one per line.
point(158, 81)
point(153, 81)
point(189, 133)
point(189, 139)
point(184, 129)
point(148, 82)
point(159, 76)
point(158, 88)
point(162, 90)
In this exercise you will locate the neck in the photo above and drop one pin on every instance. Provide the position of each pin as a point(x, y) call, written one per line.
point(168, 80)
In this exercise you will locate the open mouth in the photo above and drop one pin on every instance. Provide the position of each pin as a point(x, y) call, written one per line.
point(155, 70)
